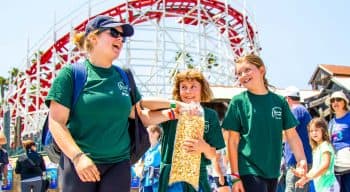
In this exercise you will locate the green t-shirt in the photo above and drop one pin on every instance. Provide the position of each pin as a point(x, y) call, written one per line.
point(327, 180)
point(212, 135)
point(260, 120)
point(99, 120)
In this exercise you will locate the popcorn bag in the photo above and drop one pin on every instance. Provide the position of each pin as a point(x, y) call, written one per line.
point(186, 167)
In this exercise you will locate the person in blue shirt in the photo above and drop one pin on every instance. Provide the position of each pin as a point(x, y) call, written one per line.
point(292, 96)
point(339, 128)
point(151, 161)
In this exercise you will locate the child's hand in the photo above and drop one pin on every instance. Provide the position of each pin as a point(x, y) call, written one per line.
point(221, 180)
point(4, 182)
point(194, 146)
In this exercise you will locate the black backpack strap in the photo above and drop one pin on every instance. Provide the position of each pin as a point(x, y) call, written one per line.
point(132, 85)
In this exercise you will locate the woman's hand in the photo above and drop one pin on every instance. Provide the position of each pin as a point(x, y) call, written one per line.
point(301, 182)
point(301, 169)
point(86, 169)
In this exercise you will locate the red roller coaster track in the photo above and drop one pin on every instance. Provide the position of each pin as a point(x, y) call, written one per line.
point(126, 12)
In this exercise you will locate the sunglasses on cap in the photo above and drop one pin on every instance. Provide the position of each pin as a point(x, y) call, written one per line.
point(336, 99)
point(113, 32)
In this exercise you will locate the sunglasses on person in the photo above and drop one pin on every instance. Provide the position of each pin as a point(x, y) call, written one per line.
point(113, 33)
point(336, 99)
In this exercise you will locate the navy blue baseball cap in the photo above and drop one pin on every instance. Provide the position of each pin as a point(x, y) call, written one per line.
point(104, 21)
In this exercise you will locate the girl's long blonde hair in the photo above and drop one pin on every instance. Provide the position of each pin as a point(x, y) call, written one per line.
point(320, 123)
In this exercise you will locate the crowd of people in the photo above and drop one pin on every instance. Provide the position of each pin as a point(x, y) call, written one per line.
point(244, 150)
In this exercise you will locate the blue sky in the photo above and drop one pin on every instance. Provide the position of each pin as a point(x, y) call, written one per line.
point(295, 35)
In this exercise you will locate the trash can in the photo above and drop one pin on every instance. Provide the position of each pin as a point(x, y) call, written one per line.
point(52, 175)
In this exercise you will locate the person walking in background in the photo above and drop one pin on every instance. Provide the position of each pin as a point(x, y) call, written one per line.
point(151, 161)
point(31, 167)
point(191, 86)
point(339, 128)
point(93, 134)
point(4, 161)
point(255, 120)
point(292, 96)
point(322, 171)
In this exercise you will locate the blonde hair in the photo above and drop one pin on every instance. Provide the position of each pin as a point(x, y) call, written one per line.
point(83, 42)
point(3, 139)
point(320, 123)
point(254, 60)
point(190, 75)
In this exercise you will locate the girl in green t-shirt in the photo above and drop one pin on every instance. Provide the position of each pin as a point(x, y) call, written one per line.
point(322, 171)
point(255, 120)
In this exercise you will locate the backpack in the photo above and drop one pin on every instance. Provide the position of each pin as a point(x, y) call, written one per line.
point(139, 140)
point(27, 162)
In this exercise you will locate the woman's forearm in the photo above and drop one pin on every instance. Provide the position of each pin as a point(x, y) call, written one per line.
point(58, 118)
point(63, 139)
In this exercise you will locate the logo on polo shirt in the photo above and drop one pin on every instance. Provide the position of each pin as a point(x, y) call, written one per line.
point(124, 89)
point(206, 126)
point(276, 112)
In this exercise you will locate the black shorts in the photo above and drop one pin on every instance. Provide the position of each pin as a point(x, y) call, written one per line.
point(114, 177)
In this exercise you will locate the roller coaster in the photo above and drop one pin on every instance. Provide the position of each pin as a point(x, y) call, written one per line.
point(170, 35)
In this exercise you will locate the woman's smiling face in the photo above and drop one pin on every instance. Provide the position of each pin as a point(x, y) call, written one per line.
point(109, 45)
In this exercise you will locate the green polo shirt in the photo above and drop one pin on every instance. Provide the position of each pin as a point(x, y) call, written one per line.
point(260, 120)
point(99, 120)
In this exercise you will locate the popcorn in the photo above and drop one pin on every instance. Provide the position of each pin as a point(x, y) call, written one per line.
point(185, 166)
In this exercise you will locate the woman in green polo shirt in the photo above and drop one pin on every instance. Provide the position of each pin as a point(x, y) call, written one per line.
point(255, 120)
point(191, 86)
point(94, 136)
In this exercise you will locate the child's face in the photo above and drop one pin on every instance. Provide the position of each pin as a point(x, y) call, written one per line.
point(249, 75)
point(190, 90)
point(316, 134)
point(153, 135)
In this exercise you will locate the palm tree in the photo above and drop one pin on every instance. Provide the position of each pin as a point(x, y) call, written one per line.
point(185, 58)
point(3, 86)
point(211, 60)
point(13, 74)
